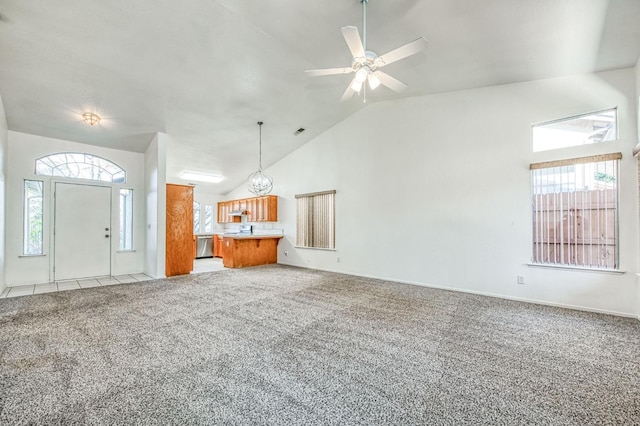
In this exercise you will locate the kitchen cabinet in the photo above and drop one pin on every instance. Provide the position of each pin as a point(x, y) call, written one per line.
point(259, 209)
point(179, 230)
point(224, 212)
point(218, 245)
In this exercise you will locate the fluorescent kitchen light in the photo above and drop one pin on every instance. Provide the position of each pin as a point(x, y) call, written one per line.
point(200, 177)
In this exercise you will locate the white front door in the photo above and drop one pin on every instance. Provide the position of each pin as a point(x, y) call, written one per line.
point(82, 231)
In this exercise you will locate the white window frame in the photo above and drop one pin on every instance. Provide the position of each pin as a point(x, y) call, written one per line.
point(79, 165)
point(538, 128)
point(208, 218)
point(26, 219)
point(571, 227)
point(197, 223)
point(126, 228)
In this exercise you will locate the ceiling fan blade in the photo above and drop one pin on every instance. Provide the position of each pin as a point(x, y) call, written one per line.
point(352, 37)
point(328, 71)
point(402, 52)
point(392, 83)
point(348, 93)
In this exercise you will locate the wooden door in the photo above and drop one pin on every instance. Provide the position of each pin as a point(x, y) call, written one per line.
point(179, 232)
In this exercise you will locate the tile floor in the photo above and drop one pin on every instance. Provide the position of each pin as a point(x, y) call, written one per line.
point(27, 290)
point(209, 264)
point(199, 266)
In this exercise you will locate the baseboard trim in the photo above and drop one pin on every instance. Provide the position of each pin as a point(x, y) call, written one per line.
point(480, 293)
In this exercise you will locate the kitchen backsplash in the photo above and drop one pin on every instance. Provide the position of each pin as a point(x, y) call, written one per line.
point(258, 228)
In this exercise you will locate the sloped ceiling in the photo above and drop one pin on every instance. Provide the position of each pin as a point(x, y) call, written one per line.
point(205, 71)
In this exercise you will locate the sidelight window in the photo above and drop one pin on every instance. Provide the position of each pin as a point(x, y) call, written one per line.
point(126, 220)
point(33, 214)
point(315, 220)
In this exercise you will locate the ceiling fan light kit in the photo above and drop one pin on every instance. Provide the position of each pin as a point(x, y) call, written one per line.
point(365, 63)
point(259, 183)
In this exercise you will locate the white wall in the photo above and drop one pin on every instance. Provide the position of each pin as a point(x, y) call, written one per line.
point(4, 142)
point(637, 72)
point(435, 190)
point(23, 150)
point(155, 175)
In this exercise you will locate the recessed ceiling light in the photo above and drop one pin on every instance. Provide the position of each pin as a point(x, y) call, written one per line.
point(200, 177)
point(91, 118)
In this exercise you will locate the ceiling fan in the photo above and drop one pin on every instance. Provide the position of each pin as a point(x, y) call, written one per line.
point(366, 64)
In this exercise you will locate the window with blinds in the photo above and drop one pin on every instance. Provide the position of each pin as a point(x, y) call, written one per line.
point(575, 212)
point(315, 220)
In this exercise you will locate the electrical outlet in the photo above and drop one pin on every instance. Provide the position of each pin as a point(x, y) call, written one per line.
point(521, 279)
point(286, 253)
point(338, 260)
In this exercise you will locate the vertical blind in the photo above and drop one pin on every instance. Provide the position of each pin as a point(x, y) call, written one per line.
point(575, 212)
point(315, 219)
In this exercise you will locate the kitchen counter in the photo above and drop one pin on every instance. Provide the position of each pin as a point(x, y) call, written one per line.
point(249, 250)
point(250, 236)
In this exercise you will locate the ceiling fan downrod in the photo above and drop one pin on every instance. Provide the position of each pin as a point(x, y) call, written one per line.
point(364, 23)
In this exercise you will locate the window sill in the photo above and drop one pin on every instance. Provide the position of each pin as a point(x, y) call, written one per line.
point(32, 255)
point(577, 268)
point(315, 248)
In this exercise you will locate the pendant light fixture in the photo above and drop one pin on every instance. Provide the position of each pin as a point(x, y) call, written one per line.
point(259, 183)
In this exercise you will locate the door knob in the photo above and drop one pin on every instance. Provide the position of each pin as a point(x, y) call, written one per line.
point(106, 235)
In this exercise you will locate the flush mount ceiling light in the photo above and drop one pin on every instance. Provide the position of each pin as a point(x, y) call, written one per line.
point(259, 183)
point(200, 177)
point(366, 64)
point(91, 118)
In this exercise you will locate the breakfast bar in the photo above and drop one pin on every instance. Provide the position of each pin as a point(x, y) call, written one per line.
point(249, 250)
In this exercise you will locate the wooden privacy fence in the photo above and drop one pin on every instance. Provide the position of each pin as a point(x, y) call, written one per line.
point(575, 228)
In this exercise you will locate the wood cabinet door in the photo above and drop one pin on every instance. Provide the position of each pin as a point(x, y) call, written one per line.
point(179, 230)
point(251, 208)
point(227, 209)
point(272, 208)
point(261, 209)
point(221, 213)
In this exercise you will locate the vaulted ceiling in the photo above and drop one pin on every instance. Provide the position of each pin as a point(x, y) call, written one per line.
point(205, 71)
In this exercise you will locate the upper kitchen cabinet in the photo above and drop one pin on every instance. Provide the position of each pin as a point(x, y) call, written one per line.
point(263, 209)
point(258, 209)
point(179, 243)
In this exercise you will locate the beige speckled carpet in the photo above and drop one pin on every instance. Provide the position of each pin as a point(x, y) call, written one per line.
point(281, 345)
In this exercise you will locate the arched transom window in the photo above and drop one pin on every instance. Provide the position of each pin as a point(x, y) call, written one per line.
point(76, 165)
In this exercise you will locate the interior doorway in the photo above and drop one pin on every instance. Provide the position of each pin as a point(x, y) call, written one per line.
point(82, 231)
